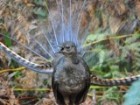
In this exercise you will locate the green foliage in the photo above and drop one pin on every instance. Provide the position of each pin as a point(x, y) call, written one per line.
point(40, 10)
point(113, 52)
point(109, 94)
point(7, 41)
point(113, 60)
point(130, 52)
point(39, 2)
point(18, 74)
point(132, 97)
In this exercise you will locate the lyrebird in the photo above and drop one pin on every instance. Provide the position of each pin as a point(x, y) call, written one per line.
point(71, 77)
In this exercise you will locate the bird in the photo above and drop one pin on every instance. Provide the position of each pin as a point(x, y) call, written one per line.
point(71, 76)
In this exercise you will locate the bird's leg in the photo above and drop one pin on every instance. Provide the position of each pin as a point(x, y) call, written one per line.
point(67, 100)
point(73, 99)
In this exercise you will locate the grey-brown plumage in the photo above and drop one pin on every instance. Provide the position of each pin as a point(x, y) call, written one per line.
point(71, 77)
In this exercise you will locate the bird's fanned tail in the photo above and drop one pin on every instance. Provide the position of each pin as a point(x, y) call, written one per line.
point(114, 82)
point(33, 66)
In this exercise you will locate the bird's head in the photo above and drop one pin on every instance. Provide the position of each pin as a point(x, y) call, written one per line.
point(68, 48)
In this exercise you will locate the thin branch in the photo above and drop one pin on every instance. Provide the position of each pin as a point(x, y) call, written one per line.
point(16, 69)
point(31, 89)
point(108, 38)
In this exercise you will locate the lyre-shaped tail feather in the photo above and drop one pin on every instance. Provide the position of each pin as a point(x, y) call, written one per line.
point(33, 66)
point(114, 82)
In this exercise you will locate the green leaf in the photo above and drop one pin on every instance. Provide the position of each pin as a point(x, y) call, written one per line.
point(7, 40)
point(39, 2)
point(40, 12)
point(18, 74)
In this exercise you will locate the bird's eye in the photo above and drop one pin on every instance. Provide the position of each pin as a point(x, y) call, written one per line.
point(62, 48)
